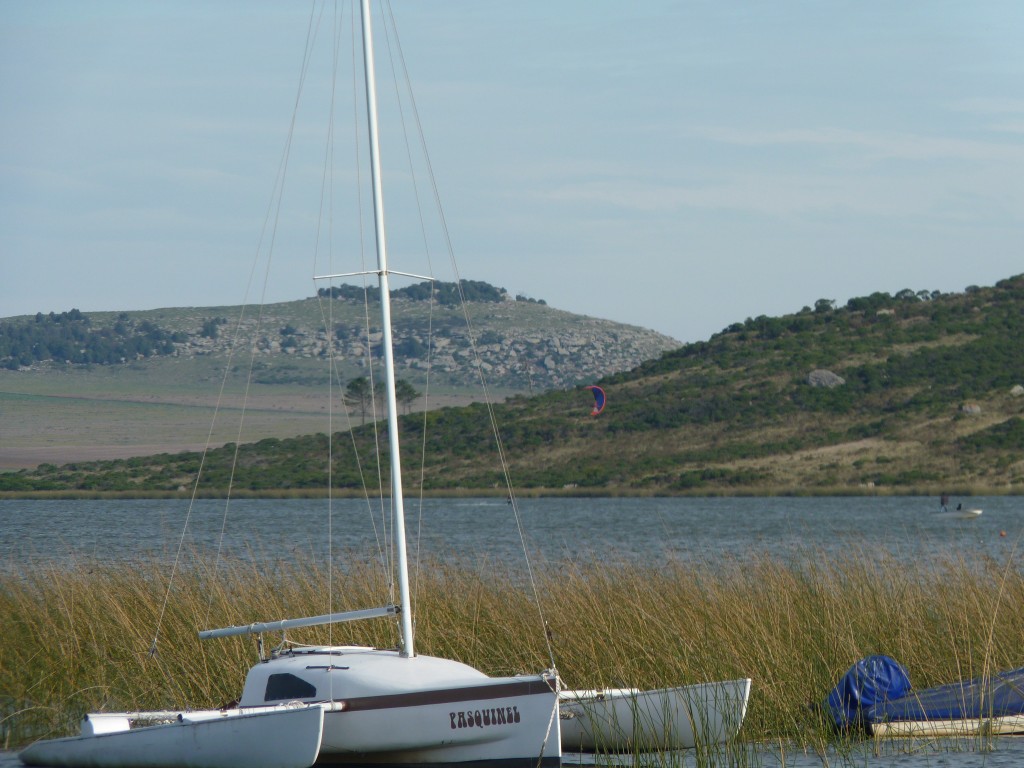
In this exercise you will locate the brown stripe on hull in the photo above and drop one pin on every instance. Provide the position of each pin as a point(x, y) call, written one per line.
point(448, 695)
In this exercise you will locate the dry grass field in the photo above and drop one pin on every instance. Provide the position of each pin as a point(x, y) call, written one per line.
point(71, 416)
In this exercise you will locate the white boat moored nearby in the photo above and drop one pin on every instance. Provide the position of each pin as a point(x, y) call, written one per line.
point(632, 720)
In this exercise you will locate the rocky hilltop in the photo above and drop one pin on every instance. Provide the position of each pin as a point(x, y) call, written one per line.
point(522, 345)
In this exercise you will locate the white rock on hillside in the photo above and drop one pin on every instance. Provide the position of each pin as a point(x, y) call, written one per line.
point(824, 378)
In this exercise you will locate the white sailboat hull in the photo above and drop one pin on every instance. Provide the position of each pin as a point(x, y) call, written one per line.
point(274, 737)
point(626, 719)
point(517, 727)
point(507, 722)
point(384, 708)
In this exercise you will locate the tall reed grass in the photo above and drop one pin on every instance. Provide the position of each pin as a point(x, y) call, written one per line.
point(76, 636)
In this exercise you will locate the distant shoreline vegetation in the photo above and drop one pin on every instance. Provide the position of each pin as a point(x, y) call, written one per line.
point(70, 337)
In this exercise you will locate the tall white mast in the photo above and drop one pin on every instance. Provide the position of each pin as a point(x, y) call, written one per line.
point(397, 499)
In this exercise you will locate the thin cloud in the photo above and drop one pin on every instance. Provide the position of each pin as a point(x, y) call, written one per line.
point(878, 144)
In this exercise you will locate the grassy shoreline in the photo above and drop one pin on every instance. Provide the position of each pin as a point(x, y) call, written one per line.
point(77, 635)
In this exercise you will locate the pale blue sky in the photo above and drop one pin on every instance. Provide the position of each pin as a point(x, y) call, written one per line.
point(680, 166)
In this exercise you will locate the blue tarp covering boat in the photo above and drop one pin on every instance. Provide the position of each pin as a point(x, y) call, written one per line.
point(868, 682)
point(875, 694)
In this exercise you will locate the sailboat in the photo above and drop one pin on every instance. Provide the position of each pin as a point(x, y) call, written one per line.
point(341, 704)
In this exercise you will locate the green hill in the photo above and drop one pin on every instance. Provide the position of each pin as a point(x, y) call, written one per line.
point(77, 386)
point(913, 393)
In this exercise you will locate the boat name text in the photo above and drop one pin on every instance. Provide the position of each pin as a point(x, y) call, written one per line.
point(484, 718)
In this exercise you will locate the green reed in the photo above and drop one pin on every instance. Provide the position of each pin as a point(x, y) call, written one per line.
point(77, 635)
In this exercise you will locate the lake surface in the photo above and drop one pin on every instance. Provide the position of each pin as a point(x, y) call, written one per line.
point(610, 530)
point(1006, 752)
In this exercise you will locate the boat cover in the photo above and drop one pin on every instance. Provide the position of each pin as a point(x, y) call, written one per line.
point(870, 681)
point(996, 695)
point(877, 689)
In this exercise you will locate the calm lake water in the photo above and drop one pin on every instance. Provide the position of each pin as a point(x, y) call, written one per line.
point(1006, 752)
point(611, 530)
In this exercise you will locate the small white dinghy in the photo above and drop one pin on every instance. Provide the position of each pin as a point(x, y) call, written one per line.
point(957, 514)
point(948, 512)
point(275, 737)
point(628, 719)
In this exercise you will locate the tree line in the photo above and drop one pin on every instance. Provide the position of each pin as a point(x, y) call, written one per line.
point(445, 294)
point(71, 338)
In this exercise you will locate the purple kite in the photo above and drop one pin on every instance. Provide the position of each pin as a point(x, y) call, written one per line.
point(598, 399)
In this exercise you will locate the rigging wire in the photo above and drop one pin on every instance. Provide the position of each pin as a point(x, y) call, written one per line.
point(391, 30)
point(327, 202)
point(380, 527)
point(278, 199)
point(488, 400)
point(386, 515)
point(270, 222)
point(384, 541)
point(327, 313)
point(268, 235)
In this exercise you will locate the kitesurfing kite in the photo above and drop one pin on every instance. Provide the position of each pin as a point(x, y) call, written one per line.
point(598, 398)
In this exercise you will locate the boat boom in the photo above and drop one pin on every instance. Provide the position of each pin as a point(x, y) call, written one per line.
point(310, 621)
